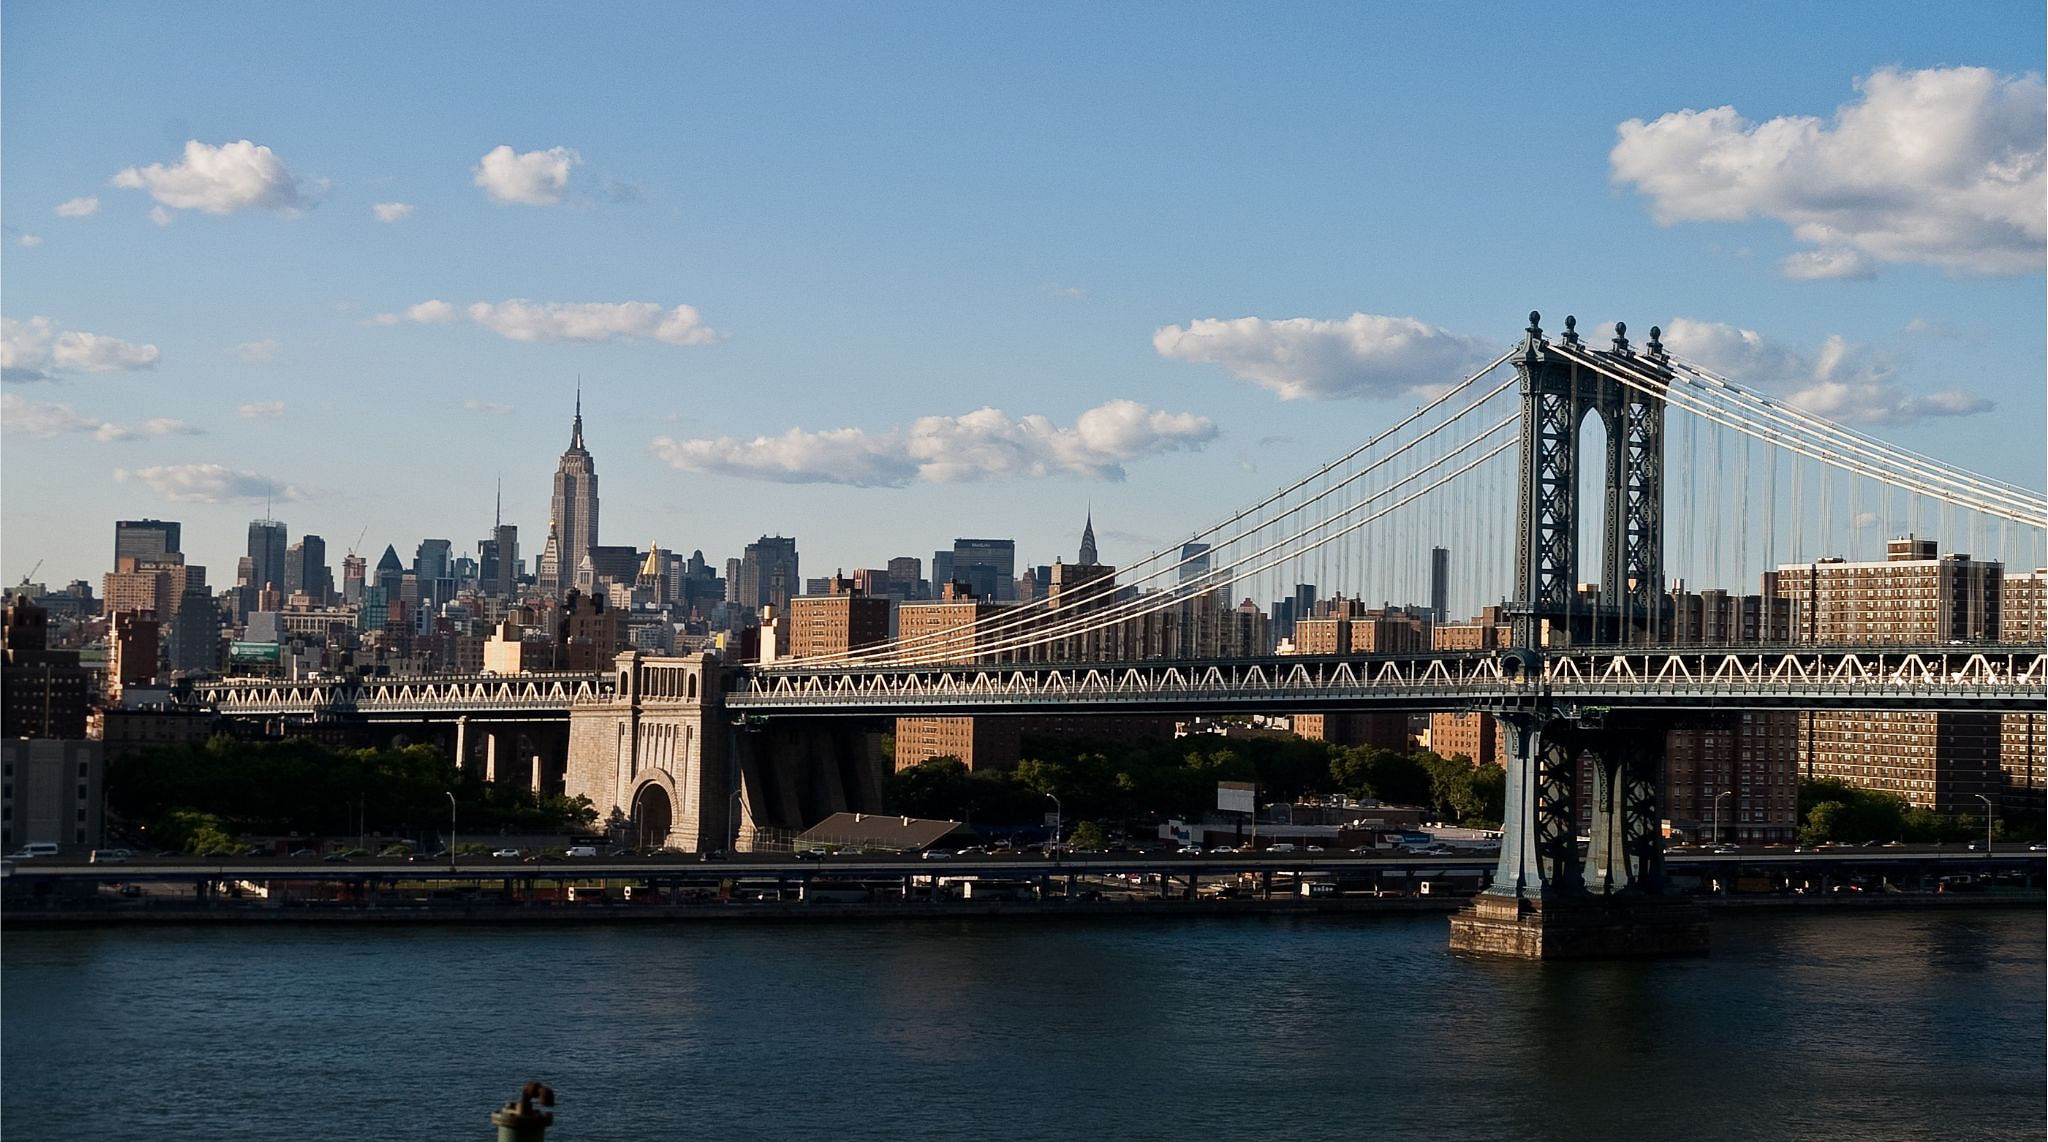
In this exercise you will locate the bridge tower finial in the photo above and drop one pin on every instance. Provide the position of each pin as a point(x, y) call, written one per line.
point(1657, 352)
point(1571, 330)
point(1621, 339)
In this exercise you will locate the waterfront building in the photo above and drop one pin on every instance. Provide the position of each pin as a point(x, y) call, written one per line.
point(52, 791)
point(1939, 760)
point(44, 692)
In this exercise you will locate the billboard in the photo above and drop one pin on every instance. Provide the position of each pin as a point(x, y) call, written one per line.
point(253, 651)
point(1237, 796)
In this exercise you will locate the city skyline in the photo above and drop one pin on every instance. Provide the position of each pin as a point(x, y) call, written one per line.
point(787, 288)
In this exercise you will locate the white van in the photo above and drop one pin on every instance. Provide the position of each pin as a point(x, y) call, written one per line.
point(35, 849)
point(582, 850)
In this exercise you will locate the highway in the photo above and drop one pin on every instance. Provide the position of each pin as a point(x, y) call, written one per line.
point(695, 868)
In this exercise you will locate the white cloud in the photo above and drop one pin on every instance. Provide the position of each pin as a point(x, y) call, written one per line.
point(430, 312)
point(1945, 167)
point(261, 410)
point(160, 216)
point(78, 207)
point(522, 320)
point(1842, 382)
point(1364, 355)
point(1827, 265)
point(981, 445)
point(206, 483)
point(221, 180)
point(31, 240)
point(44, 420)
point(392, 211)
point(536, 178)
point(32, 350)
point(170, 426)
point(256, 352)
point(491, 407)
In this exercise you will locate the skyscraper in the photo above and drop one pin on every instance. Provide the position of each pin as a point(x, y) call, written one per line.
point(1087, 552)
point(498, 556)
point(989, 566)
point(305, 569)
point(266, 553)
point(768, 574)
point(574, 507)
point(1440, 583)
point(144, 538)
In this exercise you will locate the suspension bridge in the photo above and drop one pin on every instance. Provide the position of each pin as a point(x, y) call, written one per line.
point(1554, 459)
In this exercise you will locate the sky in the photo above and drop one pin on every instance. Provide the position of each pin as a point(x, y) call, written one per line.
point(879, 276)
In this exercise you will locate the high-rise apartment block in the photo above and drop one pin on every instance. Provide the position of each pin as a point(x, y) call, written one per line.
point(1941, 760)
point(835, 624)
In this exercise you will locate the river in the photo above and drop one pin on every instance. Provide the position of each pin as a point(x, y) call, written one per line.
point(1897, 1025)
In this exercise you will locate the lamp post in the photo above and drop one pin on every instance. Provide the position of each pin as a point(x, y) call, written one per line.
point(1987, 821)
point(451, 831)
point(1058, 814)
point(1717, 812)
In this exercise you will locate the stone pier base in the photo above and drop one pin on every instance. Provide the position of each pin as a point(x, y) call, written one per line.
point(1579, 927)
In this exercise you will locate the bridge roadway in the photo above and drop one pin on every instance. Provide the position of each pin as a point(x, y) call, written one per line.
point(1982, 678)
point(25, 873)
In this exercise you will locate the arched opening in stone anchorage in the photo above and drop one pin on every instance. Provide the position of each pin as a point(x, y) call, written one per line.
point(652, 817)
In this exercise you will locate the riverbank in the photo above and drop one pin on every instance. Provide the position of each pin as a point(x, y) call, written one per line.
point(821, 912)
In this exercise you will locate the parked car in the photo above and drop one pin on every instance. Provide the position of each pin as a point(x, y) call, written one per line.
point(935, 854)
point(810, 854)
point(108, 856)
point(513, 853)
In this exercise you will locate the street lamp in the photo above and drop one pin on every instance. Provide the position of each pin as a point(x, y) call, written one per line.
point(451, 831)
point(1717, 812)
point(1057, 814)
point(1987, 821)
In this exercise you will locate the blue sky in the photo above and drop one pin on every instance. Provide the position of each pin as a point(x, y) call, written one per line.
point(883, 214)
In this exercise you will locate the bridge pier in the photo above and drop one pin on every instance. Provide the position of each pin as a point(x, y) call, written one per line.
point(1546, 902)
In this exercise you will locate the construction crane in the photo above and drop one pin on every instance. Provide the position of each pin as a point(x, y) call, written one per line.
point(359, 539)
point(31, 572)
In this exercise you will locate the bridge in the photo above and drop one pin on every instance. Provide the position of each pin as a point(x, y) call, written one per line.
point(1693, 471)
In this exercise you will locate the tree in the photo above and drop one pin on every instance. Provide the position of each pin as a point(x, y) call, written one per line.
point(1089, 835)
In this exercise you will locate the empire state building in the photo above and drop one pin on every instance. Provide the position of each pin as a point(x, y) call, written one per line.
point(573, 523)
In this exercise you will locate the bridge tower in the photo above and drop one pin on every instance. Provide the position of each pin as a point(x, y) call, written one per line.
point(1546, 901)
point(1558, 394)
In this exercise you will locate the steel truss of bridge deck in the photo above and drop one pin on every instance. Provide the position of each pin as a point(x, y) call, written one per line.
point(1982, 679)
point(524, 695)
point(1986, 679)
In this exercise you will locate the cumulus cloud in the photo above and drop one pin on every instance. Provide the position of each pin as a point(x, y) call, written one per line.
point(35, 350)
point(30, 240)
point(522, 320)
point(206, 483)
point(536, 178)
point(44, 421)
point(392, 211)
point(221, 180)
point(78, 207)
point(986, 444)
point(1941, 167)
point(256, 352)
point(1364, 355)
point(1841, 381)
point(261, 410)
